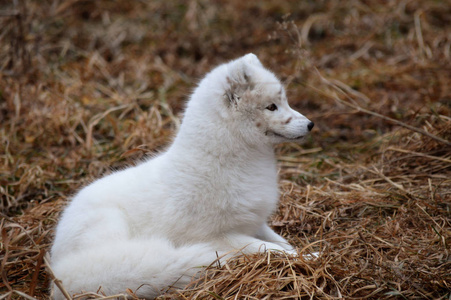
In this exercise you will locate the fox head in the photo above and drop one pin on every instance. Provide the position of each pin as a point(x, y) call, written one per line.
point(247, 100)
point(255, 97)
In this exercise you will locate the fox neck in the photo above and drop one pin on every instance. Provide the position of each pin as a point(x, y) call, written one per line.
point(212, 141)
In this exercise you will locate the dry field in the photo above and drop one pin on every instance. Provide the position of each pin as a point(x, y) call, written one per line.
point(90, 86)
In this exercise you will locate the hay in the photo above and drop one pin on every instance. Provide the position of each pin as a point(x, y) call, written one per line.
point(90, 86)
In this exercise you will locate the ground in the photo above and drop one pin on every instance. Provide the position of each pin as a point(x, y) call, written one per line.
point(91, 86)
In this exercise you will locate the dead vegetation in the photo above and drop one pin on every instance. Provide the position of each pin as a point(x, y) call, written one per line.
point(86, 86)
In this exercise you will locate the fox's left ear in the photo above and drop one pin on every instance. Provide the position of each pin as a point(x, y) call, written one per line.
point(241, 77)
point(242, 70)
point(252, 59)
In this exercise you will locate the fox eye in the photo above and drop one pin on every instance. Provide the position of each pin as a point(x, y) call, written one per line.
point(271, 107)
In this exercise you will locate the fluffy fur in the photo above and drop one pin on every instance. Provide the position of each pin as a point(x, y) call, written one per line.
point(152, 226)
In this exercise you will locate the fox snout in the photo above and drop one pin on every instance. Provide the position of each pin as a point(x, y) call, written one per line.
point(298, 116)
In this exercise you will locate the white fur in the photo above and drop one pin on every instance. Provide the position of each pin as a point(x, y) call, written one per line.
point(154, 225)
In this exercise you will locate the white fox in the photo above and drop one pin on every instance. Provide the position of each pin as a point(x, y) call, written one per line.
point(154, 225)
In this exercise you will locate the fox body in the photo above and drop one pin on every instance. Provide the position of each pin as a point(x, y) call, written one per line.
point(152, 226)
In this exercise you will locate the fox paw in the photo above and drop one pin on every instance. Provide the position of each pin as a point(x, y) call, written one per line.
point(311, 256)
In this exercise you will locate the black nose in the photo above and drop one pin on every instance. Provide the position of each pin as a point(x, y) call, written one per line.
point(310, 126)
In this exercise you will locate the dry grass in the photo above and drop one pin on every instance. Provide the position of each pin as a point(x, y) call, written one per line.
point(89, 86)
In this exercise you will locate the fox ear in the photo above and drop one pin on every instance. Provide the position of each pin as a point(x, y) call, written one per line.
point(246, 68)
point(252, 59)
point(239, 81)
point(242, 70)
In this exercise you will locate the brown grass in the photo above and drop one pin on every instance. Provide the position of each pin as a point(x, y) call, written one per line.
point(86, 86)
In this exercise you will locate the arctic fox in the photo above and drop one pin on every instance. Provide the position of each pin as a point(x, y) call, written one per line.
point(155, 225)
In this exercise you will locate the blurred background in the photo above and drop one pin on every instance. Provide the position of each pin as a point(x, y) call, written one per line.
point(90, 86)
